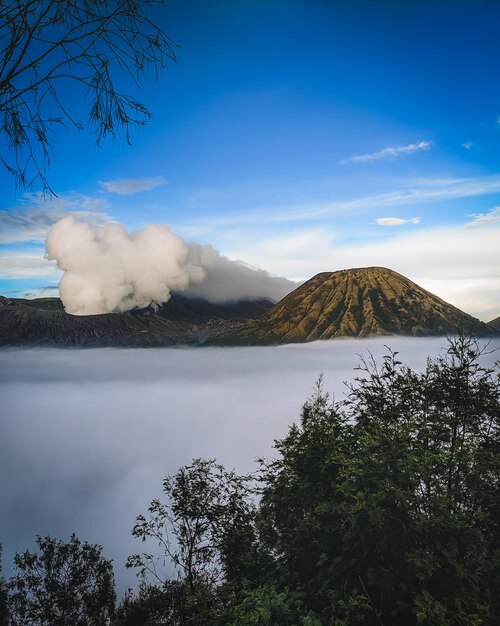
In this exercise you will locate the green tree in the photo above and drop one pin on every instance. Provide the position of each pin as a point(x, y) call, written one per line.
point(52, 48)
point(383, 509)
point(152, 605)
point(265, 606)
point(206, 542)
point(63, 584)
point(380, 509)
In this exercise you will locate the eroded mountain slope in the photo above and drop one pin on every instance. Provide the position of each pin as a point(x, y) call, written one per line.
point(357, 302)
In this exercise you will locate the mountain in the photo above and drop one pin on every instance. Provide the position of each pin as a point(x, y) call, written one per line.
point(495, 323)
point(181, 320)
point(350, 303)
point(357, 302)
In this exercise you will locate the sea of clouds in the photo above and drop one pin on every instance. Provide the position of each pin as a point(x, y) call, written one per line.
point(86, 436)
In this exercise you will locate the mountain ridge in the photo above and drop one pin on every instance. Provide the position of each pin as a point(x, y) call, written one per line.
point(355, 302)
point(180, 321)
point(495, 323)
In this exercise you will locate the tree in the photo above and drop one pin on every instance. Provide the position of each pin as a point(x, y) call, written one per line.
point(380, 509)
point(152, 605)
point(64, 584)
point(4, 611)
point(207, 545)
point(383, 509)
point(52, 47)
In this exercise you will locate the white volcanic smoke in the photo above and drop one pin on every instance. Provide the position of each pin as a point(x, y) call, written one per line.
point(107, 269)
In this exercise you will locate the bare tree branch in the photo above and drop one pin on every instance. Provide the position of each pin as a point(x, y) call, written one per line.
point(93, 45)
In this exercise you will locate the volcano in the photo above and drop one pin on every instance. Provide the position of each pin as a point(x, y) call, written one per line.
point(360, 302)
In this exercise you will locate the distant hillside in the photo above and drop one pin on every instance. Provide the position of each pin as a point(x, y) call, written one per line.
point(181, 320)
point(355, 303)
point(495, 323)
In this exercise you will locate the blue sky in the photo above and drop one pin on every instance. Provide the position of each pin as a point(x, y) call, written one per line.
point(301, 136)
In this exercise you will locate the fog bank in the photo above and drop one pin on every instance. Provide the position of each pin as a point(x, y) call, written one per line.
point(86, 436)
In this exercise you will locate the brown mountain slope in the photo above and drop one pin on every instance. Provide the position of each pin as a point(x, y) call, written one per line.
point(354, 303)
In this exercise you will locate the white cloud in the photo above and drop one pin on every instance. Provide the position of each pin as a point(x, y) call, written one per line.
point(65, 202)
point(391, 152)
point(32, 219)
point(475, 295)
point(467, 145)
point(297, 254)
point(461, 265)
point(108, 269)
point(485, 219)
point(396, 221)
point(129, 186)
point(26, 265)
point(299, 244)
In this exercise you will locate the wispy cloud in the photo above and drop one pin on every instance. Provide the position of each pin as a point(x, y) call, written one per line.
point(485, 219)
point(413, 191)
point(35, 292)
point(396, 221)
point(391, 152)
point(129, 186)
point(31, 220)
point(26, 265)
point(65, 202)
point(467, 145)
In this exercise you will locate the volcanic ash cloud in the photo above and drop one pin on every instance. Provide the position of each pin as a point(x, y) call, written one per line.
point(107, 269)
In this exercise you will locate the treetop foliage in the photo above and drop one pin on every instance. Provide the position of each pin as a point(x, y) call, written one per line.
point(63, 584)
point(206, 509)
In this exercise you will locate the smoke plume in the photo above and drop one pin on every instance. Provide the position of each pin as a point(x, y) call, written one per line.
point(107, 269)
point(227, 280)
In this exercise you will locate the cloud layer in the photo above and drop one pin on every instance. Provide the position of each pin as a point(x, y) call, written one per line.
point(88, 435)
point(25, 265)
point(107, 269)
